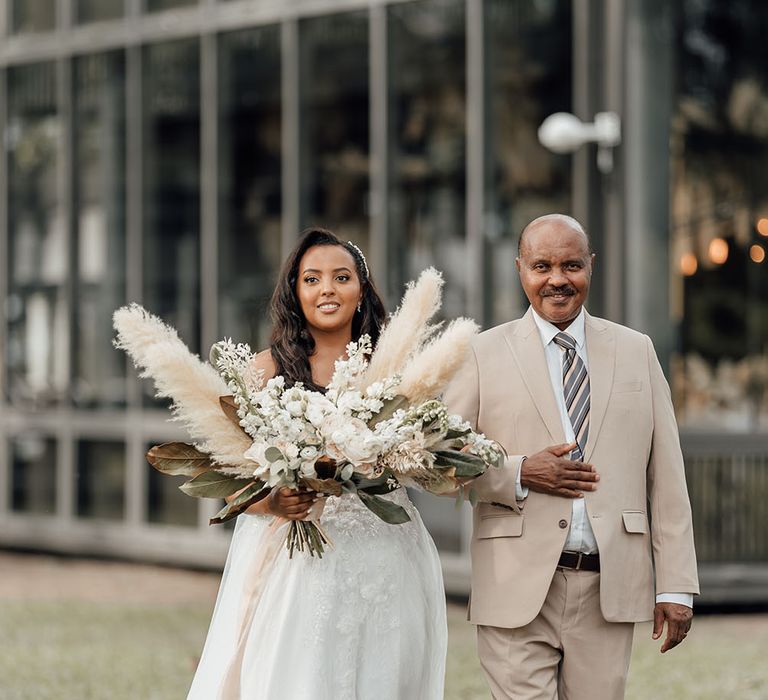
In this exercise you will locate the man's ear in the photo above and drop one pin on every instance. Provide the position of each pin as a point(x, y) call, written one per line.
point(517, 264)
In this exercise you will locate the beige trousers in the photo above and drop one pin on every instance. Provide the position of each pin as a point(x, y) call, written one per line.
point(568, 652)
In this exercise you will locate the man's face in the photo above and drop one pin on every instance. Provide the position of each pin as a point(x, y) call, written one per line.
point(555, 269)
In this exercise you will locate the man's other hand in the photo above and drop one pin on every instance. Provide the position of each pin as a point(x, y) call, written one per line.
point(549, 472)
point(678, 618)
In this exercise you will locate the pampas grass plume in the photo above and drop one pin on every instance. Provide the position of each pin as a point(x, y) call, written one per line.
point(428, 372)
point(407, 329)
point(193, 386)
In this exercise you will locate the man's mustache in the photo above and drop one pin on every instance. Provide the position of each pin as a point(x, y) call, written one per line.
point(566, 290)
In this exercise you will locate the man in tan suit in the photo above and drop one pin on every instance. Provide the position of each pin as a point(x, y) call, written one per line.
point(590, 516)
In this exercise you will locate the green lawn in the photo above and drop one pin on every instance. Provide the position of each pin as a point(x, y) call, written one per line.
point(105, 651)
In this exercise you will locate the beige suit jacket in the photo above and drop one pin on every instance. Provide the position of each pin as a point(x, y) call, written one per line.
point(640, 512)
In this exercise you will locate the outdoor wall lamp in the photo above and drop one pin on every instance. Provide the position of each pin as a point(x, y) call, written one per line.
point(564, 132)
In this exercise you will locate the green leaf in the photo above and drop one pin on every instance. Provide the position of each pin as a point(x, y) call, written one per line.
point(253, 494)
point(214, 484)
point(388, 410)
point(375, 487)
point(466, 465)
point(178, 458)
point(273, 454)
point(389, 512)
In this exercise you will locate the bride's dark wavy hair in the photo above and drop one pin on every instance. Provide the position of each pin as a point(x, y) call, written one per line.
point(291, 343)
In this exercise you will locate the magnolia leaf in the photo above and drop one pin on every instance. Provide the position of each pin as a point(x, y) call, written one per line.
point(178, 458)
point(466, 465)
point(244, 500)
point(330, 487)
point(214, 484)
point(229, 407)
point(388, 410)
point(375, 487)
point(453, 434)
point(272, 454)
point(389, 512)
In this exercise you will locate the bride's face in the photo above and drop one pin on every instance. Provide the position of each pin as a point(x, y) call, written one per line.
point(328, 288)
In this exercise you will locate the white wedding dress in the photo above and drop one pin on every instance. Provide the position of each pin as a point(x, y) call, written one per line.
point(365, 622)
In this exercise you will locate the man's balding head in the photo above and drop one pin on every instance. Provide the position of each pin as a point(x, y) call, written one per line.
point(547, 219)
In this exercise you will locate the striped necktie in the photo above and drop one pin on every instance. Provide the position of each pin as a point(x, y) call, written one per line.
point(576, 393)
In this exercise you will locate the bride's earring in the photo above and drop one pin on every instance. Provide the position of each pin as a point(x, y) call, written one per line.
point(359, 306)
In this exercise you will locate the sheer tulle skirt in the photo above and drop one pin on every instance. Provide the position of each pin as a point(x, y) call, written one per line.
point(365, 622)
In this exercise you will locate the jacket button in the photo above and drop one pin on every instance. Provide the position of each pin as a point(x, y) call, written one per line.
point(563, 524)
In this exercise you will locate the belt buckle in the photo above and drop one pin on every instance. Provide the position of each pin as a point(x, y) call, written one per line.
point(578, 561)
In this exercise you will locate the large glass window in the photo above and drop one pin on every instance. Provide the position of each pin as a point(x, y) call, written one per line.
point(33, 15)
point(249, 181)
point(95, 10)
point(157, 5)
point(101, 479)
point(528, 54)
point(171, 270)
point(99, 138)
point(33, 473)
point(334, 124)
point(427, 89)
point(719, 219)
point(37, 359)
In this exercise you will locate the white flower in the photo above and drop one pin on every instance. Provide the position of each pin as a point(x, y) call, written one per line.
point(308, 452)
point(295, 408)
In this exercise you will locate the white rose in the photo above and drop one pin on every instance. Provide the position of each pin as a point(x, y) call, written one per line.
point(295, 408)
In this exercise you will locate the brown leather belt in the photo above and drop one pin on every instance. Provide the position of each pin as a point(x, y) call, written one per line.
point(579, 561)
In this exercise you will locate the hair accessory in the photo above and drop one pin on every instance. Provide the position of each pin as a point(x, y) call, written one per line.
point(362, 257)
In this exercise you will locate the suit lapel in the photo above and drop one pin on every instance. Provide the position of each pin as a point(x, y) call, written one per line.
point(601, 353)
point(525, 343)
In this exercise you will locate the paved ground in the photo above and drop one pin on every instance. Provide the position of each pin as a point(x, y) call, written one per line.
point(78, 629)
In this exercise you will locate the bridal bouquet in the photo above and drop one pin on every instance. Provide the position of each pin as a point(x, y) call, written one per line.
point(376, 428)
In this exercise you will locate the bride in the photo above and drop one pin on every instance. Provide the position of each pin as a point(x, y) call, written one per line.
point(367, 621)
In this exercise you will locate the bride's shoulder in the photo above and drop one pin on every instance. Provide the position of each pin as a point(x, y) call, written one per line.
point(263, 362)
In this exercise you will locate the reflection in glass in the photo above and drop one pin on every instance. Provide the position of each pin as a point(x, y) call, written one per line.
point(528, 46)
point(34, 15)
point(171, 270)
point(99, 138)
point(100, 479)
point(427, 159)
point(719, 151)
point(95, 10)
point(33, 473)
point(249, 181)
point(334, 114)
point(156, 5)
point(37, 353)
point(166, 504)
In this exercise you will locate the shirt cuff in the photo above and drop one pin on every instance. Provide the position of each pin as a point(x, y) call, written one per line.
point(679, 598)
point(521, 492)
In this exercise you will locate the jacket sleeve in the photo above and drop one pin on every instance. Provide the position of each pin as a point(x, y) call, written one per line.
point(462, 396)
point(670, 509)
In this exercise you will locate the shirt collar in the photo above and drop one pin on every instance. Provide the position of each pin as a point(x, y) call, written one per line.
point(547, 331)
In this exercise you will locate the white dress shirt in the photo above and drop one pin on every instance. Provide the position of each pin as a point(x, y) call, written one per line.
point(580, 536)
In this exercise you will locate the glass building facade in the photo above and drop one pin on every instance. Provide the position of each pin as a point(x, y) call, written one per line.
point(169, 152)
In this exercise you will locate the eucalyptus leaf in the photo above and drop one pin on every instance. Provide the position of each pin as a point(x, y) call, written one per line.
point(389, 512)
point(272, 454)
point(253, 494)
point(214, 484)
point(178, 458)
point(388, 410)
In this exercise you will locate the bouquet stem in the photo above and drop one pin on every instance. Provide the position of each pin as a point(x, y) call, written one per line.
point(305, 534)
